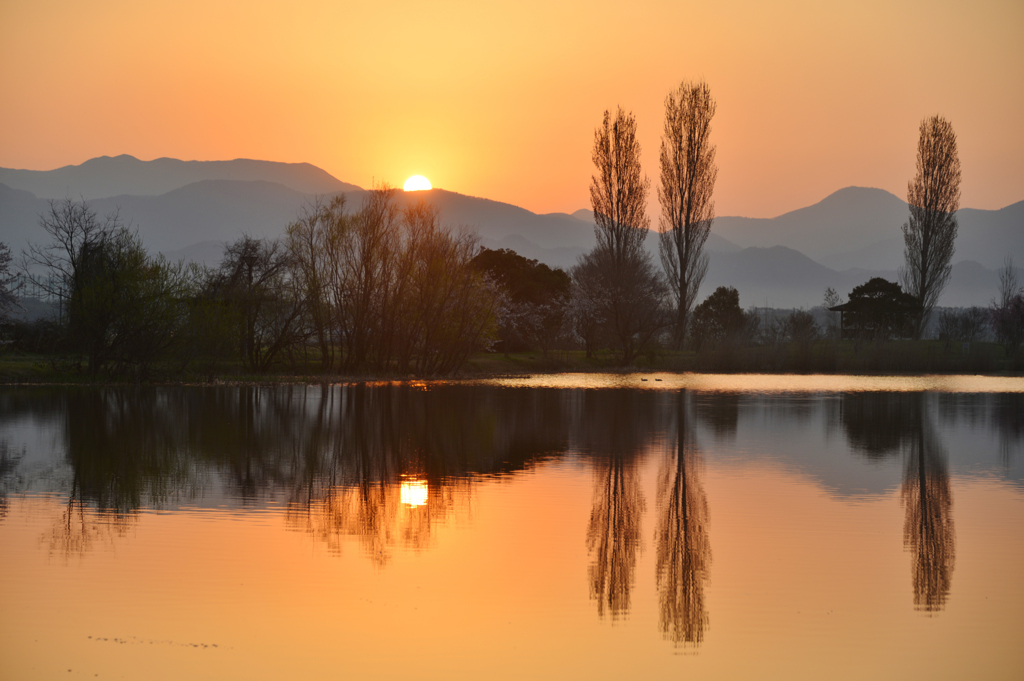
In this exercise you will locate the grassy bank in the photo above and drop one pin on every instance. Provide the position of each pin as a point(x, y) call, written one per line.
point(822, 357)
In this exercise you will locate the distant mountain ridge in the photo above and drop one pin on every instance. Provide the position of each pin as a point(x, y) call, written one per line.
point(109, 176)
point(786, 261)
point(861, 227)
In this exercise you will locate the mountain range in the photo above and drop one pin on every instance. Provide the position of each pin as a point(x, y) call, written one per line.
point(188, 209)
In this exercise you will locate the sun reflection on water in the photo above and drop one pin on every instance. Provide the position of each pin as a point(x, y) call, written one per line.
point(414, 492)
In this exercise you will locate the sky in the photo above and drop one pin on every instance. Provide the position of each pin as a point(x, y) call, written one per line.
point(501, 99)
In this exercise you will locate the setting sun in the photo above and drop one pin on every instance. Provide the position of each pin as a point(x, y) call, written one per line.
point(416, 183)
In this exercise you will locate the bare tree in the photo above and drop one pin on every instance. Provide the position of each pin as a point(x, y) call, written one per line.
point(312, 242)
point(618, 192)
point(74, 229)
point(688, 174)
point(1009, 288)
point(930, 233)
point(118, 306)
point(628, 292)
point(1007, 314)
point(8, 284)
point(256, 278)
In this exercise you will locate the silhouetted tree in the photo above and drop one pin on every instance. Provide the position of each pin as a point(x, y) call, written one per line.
point(8, 301)
point(962, 326)
point(585, 314)
point(623, 305)
point(623, 289)
point(119, 306)
point(448, 311)
point(831, 299)
point(387, 287)
point(1007, 313)
point(255, 279)
point(688, 174)
point(879, 309)
point(618, 192)
point(313, 243)
point(930, 233)
point(718, 318)
point(801, 328)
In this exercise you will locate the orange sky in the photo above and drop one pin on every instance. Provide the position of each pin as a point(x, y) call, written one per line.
point(501, 99)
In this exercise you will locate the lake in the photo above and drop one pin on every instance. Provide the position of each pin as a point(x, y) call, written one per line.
point(569, 526)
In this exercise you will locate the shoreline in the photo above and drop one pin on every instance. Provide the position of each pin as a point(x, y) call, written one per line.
point(825, 358)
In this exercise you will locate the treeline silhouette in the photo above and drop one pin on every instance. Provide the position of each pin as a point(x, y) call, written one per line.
point(385, 289)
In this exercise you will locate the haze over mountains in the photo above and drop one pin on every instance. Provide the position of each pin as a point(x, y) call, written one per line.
point(190, 208)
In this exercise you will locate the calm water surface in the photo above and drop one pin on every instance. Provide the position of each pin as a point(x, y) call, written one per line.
point(586, 526)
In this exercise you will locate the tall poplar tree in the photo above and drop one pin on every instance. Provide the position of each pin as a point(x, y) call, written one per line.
point(930, 233)
point(688, 174)
point(624, 290)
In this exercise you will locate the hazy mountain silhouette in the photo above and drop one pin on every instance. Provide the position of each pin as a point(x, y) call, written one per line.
point(860, 227)
point(107, 176)
point(214, 210)
point(845, 220)
point(19, 217)
point(841, 241)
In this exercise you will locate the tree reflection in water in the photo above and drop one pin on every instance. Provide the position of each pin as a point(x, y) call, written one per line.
point(81, 527)
point(379, 438)
point(928, 528)
point(888, 425)
point(1009, 423)
point(681, 538)
point(337, 455)
point(377, 515)
point(8, 466)
point(614, 425)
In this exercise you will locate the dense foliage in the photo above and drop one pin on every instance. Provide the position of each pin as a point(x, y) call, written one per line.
point(532, 299)
point(718, 318)
point(879, 309)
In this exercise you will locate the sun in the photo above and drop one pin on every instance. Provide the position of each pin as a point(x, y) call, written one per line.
point(416, 183)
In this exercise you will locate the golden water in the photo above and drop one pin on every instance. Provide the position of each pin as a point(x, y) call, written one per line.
point(553, 531)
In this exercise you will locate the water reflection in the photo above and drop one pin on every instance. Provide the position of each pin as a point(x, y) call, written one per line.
point(614, 426)
point(878, 424)
point(8, 465)
point(892, 425)
point(382, 467)
point(380, 515)
point(80, 527)
point(388, 464)
point(928, 528)
point(1009, 423)
point(721, 411)
point(681, 538)
point(336, 457)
